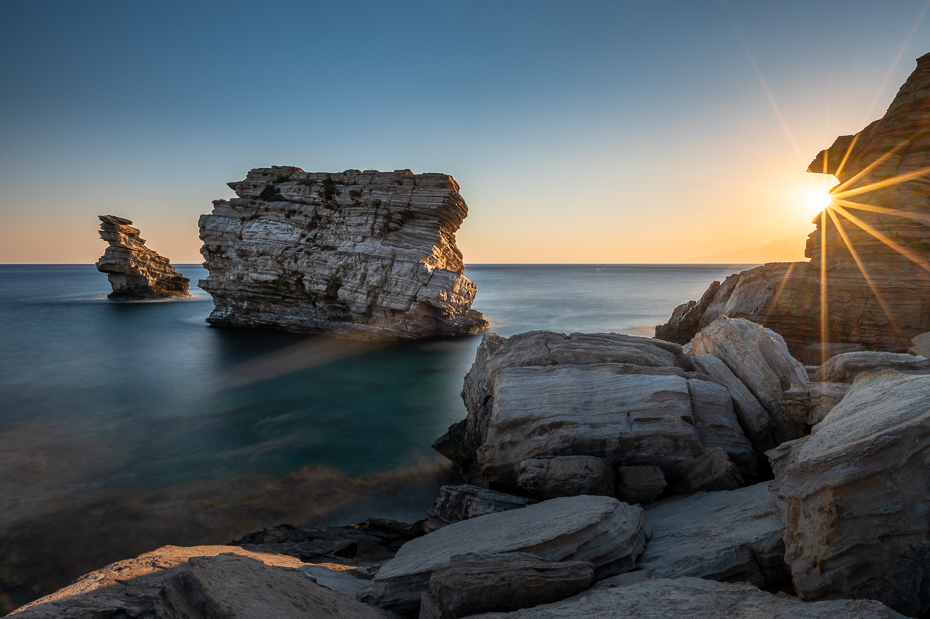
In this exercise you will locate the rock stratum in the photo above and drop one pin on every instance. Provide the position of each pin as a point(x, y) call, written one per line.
point(871, 248)
point(134, 270)
point(356, 254)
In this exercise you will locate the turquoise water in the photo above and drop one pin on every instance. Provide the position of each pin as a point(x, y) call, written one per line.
point(127, 426)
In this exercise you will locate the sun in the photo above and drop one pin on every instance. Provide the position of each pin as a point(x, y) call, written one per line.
point(817, 200)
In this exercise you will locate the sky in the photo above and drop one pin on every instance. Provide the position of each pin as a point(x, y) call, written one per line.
point(579, 132)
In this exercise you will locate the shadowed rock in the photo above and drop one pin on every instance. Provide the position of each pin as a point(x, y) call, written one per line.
point(456, 503)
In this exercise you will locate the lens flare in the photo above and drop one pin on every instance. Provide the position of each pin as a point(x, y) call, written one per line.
point(817, 201)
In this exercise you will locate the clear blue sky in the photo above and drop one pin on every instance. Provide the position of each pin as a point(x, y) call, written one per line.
point(578, 131)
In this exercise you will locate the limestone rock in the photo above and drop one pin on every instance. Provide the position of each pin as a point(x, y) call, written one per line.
point(504, 583)
point(730, 536)
point(229, 586)
point(134, 270)
point(846, 367)
point(640, 484)
point(694, 598)
point(456, 503)
point(920, 345)
point(600, 530)
point(856, 492)
point(760, 359)
point(356, 254)
point(627, 400)
point(131, 588)
point(548, 478)
point(823, 398)
point(880, 210)
point(712, 470)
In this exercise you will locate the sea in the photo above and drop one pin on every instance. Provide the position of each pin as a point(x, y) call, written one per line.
point(126, 426)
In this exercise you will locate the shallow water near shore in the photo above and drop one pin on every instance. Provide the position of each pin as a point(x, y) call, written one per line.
point(128, 426)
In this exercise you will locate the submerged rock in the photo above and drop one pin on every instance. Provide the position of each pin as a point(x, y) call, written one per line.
point(600, 530)
point(134, 270)
point(856, 493)
point(878, 292)
point(357, 254)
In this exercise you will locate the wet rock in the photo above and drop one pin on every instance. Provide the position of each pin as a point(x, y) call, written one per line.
point(600, 530)
point(855, 492)
point(760, 359)
point(729, 536)
point(548, 478)
point(846, 367)
point(503, 583)
point(694, 598)
point(134, 270)
point(456, 503)
point(355, 254)
point(640, 484)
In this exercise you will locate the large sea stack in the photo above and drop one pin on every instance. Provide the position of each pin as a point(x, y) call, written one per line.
point(357, 254)
point(871, 247)
point(134, 270)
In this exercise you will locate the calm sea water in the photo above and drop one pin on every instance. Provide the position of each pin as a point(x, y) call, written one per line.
point(127, 426)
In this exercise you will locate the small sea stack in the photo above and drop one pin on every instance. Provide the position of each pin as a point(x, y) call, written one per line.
point(356, 254)
point(134, 270)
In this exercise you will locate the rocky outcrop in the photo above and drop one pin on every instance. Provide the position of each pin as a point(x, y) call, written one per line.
point(856, 492)
point(870, 251)
point(357, 254)
point(501, 583)
point(621, 400)
point(846, 367)
point(694, 598)
point(600, 530)
point(729, 536)
point(640, 484)
point(134, 270)
point(157, 583)
point(456, 503)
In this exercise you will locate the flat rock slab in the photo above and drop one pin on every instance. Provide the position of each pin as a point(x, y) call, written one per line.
point(733, 535)
point(694, 598)
point(846, 367)
point(457, 503)
point(601, 530)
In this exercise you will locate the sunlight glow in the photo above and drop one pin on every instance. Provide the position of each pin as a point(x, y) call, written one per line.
point(818, 200)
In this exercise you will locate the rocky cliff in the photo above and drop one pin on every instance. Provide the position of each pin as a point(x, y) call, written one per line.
point(358, 254)
point(134, 270)
point(869, 256)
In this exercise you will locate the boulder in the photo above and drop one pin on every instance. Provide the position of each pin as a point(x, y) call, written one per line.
point(760, 359)
point(823, 398)
point(502, 583)
point(548, 478)
point(600, 530)
point(816, 354)
point(229, 586)
point(730, 536)
point(629, 401)
point(640, 484)
point(856, 492)
point(920, 345)
point(712, 470)
point(694, 598)
point(355, 254)
point(456, 503)
point(846, 367)
point(134, 270)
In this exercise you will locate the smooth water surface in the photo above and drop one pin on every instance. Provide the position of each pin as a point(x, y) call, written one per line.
point(127, 426)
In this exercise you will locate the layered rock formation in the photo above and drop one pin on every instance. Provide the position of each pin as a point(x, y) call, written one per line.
point(357, 254)
point(871, 248)
point(134, 270)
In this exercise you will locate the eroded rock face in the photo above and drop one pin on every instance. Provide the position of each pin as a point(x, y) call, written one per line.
point(883, 213)
point(356, 254)
point(844, 368)
point(134, 270)
point(695, 598)
point(600, 530)
point(729, 536)
point(624, 400)
point(548, 478)
point(456, 503)
point(856, 496)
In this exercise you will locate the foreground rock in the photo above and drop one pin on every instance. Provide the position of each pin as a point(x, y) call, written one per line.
point(134, 270)
point(140, 587)
point(856, 496)
point(600, 530)
point(457, 503)
point(501, 583)
point(694, 598)
point(552, 414)
point(880, 211)
point(356, 254)
point(729, 536)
